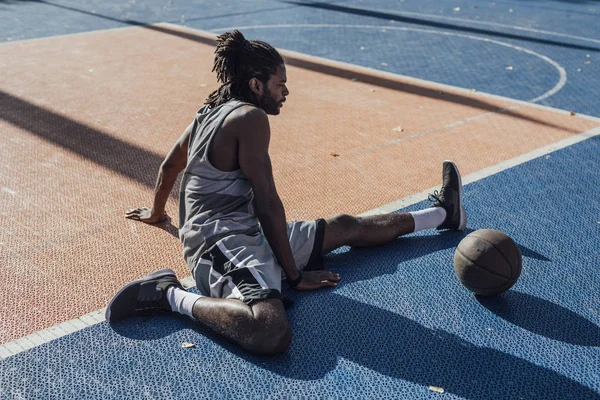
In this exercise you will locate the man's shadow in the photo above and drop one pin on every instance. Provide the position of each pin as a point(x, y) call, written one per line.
point(328, 326)
point(399, 347)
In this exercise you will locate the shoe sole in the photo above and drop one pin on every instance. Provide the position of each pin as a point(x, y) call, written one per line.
point(462, 224)
point(155, 275)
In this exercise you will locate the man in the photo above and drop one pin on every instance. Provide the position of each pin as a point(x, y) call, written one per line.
point(235, 238)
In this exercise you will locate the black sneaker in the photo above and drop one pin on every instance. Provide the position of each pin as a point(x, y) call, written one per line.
point(143, 296)
point(450, 198)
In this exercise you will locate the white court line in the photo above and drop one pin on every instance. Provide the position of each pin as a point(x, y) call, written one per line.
point(35, 339)
point(62, 329)
point(477, 22)
point(65, 328)
point(486, 172)
point(562, 80)
point(390, 75)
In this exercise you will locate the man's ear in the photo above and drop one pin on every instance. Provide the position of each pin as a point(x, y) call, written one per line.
point(256, 85)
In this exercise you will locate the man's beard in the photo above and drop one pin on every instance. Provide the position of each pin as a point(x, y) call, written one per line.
point(268, 103)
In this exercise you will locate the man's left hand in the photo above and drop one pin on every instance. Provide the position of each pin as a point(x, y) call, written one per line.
point(312, 280)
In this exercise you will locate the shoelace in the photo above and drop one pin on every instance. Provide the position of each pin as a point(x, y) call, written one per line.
point(434, 197)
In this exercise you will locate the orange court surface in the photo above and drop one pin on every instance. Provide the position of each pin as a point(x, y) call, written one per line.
point(87, 119)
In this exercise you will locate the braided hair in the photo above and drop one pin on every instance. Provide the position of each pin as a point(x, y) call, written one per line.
point(237, 60)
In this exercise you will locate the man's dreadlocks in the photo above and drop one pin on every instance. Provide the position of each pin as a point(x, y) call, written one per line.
point(237, 60)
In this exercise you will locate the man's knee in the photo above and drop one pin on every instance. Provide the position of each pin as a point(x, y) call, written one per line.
point(344, 222)
point(270, 340)
point(270, 333)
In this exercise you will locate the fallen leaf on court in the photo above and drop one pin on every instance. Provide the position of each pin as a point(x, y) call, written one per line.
point(572, 113)
point(509, 68)
point(334, 154)
point(456, 9)
point(188, 345)
point(398, 129)
point(436, 389)
point(384, 64)
point(587, 62)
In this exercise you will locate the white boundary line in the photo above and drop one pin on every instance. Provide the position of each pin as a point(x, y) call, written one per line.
point(391, 75)
point(562, 80)
point(479, 22)
point(57, 331)
point(38, 338)
point(486, 172)
point(13, 42)
point(35, 339)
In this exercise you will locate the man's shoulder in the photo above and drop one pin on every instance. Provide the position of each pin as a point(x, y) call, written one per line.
point(249, 113)
point(247, 118)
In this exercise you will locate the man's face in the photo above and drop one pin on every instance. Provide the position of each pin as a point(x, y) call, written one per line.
point(274, 92)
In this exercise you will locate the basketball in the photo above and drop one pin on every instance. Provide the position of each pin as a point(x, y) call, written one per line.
point(487, 262)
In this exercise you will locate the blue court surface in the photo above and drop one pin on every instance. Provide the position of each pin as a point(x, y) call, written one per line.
point(542, 51)
point(399, 323)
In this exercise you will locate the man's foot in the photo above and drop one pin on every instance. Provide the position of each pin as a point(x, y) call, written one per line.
point(143, 296)
point(450, 198)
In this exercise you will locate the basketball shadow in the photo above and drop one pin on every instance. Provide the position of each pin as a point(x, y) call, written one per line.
point(543, 318)
point(527, 252)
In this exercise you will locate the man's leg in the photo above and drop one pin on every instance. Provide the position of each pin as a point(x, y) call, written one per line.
point(447, 212)
point(374, 230)
point(261, 328)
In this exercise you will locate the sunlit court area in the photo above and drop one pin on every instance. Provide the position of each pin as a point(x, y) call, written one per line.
point(437, 162)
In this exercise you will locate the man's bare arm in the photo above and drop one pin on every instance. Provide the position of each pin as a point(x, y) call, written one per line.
point(173, 164)
point(255, 163)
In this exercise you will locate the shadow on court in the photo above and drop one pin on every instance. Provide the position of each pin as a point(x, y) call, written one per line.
point(386, 343)
point(439, 25)
point(544, 318)
point(329, 327)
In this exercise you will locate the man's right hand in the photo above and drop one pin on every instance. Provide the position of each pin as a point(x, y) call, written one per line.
point(312, 280)
point(145, 214)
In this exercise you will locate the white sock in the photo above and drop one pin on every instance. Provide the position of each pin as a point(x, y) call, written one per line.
point(181, 301)
point(428, 218)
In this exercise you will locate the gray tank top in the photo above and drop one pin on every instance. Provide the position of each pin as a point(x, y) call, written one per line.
point(212, 203)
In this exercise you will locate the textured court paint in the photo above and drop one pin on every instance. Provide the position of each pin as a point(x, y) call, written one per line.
point(399, 322)
point(101, 112)
point(562, 75)
point(564, 31)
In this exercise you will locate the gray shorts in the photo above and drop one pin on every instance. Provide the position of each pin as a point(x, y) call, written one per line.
point(243, 267)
